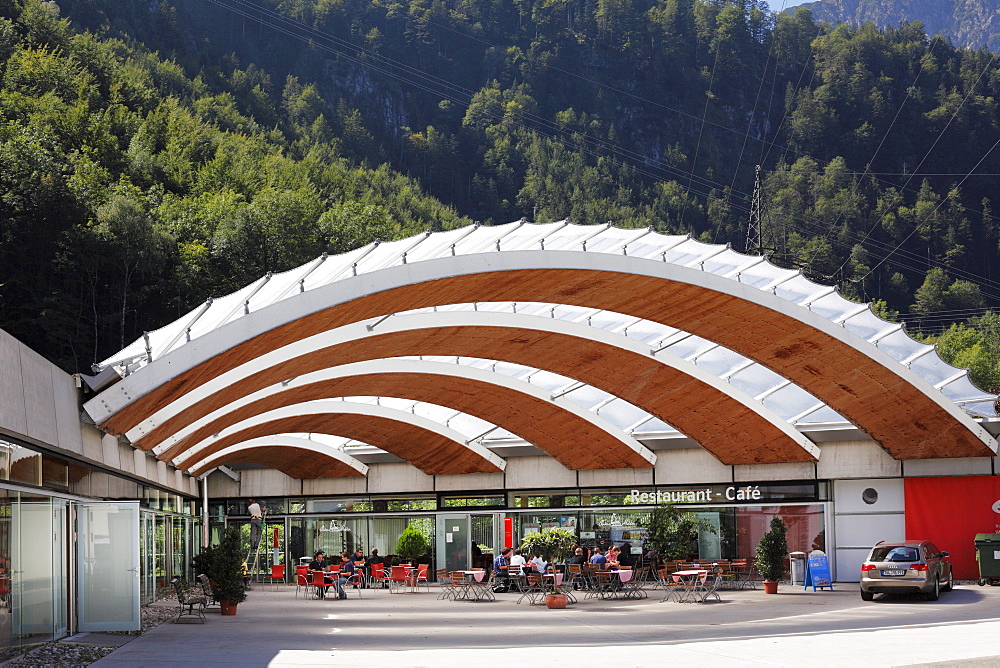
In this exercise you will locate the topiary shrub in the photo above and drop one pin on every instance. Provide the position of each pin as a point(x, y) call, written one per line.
point(771, 551)
point(412, 544)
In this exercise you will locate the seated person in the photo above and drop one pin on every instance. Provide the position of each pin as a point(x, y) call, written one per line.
point(360, 563)
point(578, 557)
point(501, 576)
point(346, 572)
point(599, 558)
point(538, 565)
point(611, 558)
point(625, 556)
point(517, 559)
point(319, 563)
point(374, 558)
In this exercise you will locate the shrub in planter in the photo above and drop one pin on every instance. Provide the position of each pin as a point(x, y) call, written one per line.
point(227, 568)
point(412, 544)
point(552, 543)
point(770, 553)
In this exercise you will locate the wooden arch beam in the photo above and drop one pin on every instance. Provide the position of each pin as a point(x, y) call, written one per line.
point(294, 456)
point(432, 448)
point(732, 426)
point(903, 413)
point(576, 438)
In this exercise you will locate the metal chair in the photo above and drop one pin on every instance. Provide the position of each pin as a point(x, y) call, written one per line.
point(534, 591)
point(277, 573)
point(378, 576)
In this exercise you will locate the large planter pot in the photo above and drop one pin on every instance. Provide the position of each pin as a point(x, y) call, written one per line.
point(228, 607)
point(770, 587)
point(556, 601)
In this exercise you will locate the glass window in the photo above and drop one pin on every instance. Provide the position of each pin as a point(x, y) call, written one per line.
point(544, 499)
point(402, 504)
point(497, 501)
point(25, 466)
point(55, 473)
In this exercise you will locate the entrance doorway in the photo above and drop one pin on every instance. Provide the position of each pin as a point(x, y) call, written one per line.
point(107, 562)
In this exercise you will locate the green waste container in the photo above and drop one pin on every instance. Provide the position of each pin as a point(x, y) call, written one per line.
point(988, 556)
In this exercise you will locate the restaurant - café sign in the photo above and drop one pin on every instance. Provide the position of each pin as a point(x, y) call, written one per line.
point(710, 494)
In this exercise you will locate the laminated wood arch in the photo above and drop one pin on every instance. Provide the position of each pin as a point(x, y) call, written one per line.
point(294, 456)
point(432, 448)
point(523, 409)
point(729, 424)
point(898, 409)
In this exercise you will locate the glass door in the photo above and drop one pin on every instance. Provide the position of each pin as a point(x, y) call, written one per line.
point(454, 542)
point(38, 569)
point(108, 582)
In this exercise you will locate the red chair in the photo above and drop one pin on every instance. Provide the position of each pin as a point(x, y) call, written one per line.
point(379, 576)
point(398, 576)
point(422, 576)
point(301, 578)
point(356, 580)
point(277, 573)
point(319, 581)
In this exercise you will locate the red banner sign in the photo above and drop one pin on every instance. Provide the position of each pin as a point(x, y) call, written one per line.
point(508, 532)
point(950, 512)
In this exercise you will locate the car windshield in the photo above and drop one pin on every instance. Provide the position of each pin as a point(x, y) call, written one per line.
point(895, 553)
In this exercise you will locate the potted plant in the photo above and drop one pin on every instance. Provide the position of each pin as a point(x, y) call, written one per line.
point(412, 544)
point(552, 544)
point(770, 554)
point(227, 572)
point(673, 534)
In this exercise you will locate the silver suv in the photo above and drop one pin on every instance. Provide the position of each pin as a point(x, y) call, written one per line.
point(906, 567)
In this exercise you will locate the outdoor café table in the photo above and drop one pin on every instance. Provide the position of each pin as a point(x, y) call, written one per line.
point(691, 583)
point(477, 587)
point(631, 585)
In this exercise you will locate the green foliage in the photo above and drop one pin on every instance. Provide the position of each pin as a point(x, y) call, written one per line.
point(225, 567)
point(771, 551)
point(673, 533)
point(974, 345)
point(553, 544)
point(412, 543)
point(247, 151)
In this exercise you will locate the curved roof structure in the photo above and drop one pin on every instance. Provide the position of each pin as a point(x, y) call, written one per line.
point(294, 456)
point(494, 398)
point(672, 389)
point(766, 331)
point(433, 448)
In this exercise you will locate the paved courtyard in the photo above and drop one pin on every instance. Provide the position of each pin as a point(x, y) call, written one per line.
point(748, 628)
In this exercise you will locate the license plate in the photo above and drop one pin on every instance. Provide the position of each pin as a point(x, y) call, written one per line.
point(895, 571)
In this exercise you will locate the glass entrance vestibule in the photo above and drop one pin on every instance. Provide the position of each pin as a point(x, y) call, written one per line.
point(463, 530)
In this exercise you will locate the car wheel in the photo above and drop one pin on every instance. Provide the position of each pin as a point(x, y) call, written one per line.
point(867, 595)
point(951, 583)
point(983, 582)
point(935, 591)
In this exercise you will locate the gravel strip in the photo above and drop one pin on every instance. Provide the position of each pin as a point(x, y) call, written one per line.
point(62, 654)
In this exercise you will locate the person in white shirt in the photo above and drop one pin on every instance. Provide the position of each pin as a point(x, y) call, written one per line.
point(256, 519)
point(538, 564)
point(517, 559)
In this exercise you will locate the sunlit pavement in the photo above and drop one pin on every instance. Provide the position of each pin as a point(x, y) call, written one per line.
point(749, 628)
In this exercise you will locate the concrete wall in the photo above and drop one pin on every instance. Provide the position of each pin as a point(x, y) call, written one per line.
point(40, 405)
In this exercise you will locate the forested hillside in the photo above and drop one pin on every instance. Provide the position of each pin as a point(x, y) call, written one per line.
point(967, 23)
point(157, 153)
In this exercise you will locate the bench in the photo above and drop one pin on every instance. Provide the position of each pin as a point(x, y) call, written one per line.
point(188, 603)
